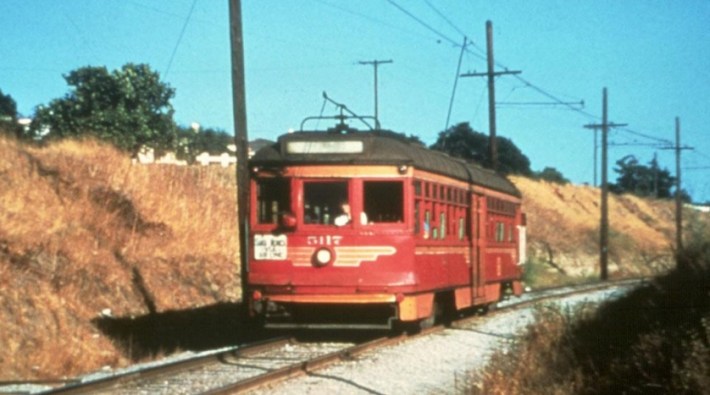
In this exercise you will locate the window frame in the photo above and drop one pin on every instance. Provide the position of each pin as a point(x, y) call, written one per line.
point(443, 212)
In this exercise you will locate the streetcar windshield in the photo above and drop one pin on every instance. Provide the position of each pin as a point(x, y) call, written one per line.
point(324, 201)
point(273, 198)
point(384, 201)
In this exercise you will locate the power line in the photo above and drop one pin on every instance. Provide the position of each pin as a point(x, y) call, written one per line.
point(636, 144)
point(154, 9)
point(514, 104)
point(701, 154)
point(421, 22)
point(639, 134)
point(577, 106)
point(177, 44)
point(526, 82)
point(368, 17)
point(445, 18)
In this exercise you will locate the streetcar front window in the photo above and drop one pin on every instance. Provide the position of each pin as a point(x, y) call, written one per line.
point(273, 198)
point(324, 201)
point(384, 201)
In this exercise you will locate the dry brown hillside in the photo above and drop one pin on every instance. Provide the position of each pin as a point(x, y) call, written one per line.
point(85, 233)
point(563, 228)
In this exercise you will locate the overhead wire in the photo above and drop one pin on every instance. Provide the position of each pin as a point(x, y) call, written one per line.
point(573, 106)
point(421, 22)
point(367, 17)
point(473, 43)
point(179, 40)
point(557, 101)
point(445, 18)
point(647, 136)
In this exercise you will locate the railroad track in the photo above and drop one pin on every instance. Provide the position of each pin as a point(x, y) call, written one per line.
point(239, 369)
point(230, 371)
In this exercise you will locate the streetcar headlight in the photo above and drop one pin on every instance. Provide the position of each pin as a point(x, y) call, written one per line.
point(322, 257)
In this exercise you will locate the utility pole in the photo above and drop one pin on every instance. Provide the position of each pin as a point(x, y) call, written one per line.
point(604, 225)
point(375, 64)
point(240, 137)
point(596, 149)
point(678, 200)
point(491, 74)
point(678, 192)
point(655, 175)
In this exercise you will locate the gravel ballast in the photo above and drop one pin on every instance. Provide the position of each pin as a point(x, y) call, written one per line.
point(439, 363)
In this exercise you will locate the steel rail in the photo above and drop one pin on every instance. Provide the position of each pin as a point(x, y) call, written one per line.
point(315, 364)
point(549, 293)
point(114, 382)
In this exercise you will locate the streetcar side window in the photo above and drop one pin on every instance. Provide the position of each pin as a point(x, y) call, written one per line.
point(383, 201)
point(427, 224)
point(500, 231)
point(324, 201)
point(417, 214)
point(273, 198)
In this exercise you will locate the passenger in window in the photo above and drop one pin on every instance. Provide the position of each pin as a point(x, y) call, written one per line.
point(310, 216)
point(346, 216)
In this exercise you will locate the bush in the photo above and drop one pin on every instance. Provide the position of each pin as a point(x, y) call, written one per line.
point(656, 339)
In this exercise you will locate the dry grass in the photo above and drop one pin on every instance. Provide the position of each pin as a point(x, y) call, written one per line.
point(83, 230)
point(563, 227)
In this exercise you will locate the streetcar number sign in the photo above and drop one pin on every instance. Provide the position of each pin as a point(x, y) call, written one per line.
point(270, 247)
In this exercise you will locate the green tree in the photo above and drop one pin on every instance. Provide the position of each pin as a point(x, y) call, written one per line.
point(642, 180)
point(462, 141)
point(551, 174)
point(8, 114)
point(129, 107)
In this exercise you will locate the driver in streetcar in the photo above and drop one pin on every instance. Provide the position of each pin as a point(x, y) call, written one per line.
point(346, 216)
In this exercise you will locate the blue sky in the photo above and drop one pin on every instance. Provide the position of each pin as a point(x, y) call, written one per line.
point(652, 56)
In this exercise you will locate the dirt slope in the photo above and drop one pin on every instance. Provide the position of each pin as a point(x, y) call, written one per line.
point(563, 227)
point(84, 232)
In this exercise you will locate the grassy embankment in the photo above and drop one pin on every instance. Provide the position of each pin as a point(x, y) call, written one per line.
point(83, 232)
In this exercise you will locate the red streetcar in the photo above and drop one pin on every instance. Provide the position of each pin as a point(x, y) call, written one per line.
point(354, 229)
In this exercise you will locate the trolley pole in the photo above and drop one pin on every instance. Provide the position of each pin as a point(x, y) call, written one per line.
point(604, 223)
point(491, 74)
point(240, 138)
point(375, 64)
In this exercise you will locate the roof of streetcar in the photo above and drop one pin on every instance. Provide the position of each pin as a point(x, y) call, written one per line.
point(378, 147)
